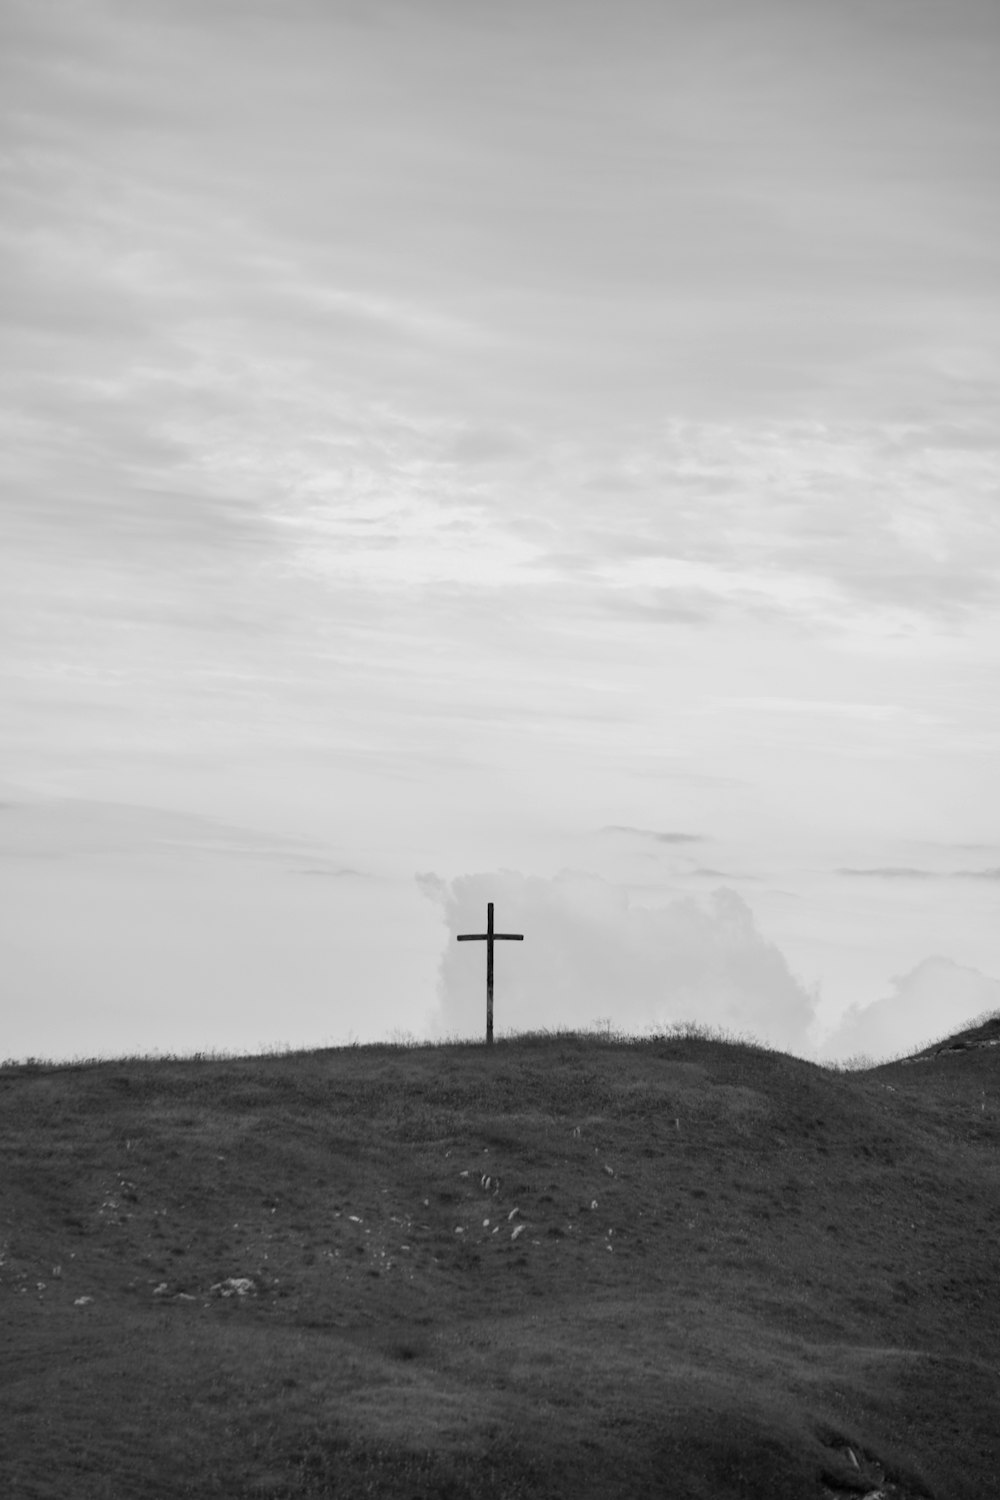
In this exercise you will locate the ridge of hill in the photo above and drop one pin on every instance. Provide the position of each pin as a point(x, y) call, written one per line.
point(565, 1266)
point(984, 1032)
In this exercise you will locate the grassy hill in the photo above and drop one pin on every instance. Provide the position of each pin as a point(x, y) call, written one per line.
point(569, 1266)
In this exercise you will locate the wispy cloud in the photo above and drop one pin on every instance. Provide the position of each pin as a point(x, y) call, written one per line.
point(75, 828)
point(904, 872)
point(221, 326)
point(657, 836)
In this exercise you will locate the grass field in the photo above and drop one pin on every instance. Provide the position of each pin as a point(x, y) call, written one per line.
point(571, 1266)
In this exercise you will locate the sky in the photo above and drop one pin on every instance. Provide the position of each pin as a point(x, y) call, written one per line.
point(534, 453)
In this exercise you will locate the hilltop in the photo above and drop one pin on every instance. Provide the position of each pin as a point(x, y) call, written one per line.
point(982, 1033)
point(568, 1266)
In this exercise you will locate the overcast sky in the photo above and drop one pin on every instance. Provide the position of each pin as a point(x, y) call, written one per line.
point(543, 453)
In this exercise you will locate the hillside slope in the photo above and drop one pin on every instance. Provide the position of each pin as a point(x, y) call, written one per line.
point(566, 1267)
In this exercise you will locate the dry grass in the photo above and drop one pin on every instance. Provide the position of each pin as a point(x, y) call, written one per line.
point(573, 1266)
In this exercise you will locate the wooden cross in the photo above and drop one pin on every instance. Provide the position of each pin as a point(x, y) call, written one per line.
point(489, 937)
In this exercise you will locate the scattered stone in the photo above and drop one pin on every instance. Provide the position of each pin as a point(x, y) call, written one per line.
point(161, 1290)
point(82, 1301)
point(234, 1286)
point(518, 1229)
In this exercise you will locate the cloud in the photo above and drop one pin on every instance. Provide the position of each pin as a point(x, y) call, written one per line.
point(908, 872)
point(588, 953)
point(660, 838)
point(662, 606)
point(260, 321)
point(937, 997)
point(72, 829)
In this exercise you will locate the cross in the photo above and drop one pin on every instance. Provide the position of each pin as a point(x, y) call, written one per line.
point(489, 937)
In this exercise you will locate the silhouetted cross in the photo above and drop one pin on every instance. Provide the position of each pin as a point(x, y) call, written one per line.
point(489, 937)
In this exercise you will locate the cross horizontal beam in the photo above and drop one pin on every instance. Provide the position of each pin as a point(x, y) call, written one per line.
point(490, 937)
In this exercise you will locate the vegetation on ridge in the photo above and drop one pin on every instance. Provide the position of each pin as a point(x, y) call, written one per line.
point(567, 1266)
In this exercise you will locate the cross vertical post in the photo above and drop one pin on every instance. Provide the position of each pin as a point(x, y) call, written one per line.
point(489, 973)
point(489, 937)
